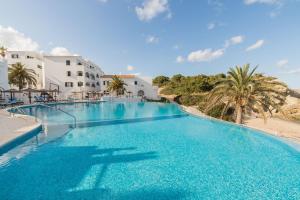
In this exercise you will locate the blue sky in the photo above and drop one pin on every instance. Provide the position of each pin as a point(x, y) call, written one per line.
point(154, 37)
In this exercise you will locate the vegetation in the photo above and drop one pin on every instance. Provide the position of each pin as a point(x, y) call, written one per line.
point(230, 96)
point(247, 92)
point(2, 51)
point(181, 85)
point(161, 100)
point(21, 77)
point(117, 85)
point(160, 81)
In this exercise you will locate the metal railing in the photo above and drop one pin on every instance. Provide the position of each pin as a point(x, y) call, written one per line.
point(20, 111)
point(72, 116)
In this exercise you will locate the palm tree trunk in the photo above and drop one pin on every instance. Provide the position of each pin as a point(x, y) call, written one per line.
point(239, 114)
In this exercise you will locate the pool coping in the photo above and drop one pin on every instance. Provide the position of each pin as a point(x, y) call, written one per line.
point(288, 141)
point(292, 144)
point(22, 136)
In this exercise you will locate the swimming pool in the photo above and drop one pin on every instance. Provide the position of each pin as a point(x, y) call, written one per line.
point(170, 155)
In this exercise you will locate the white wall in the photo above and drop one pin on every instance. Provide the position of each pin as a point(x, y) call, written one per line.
point(56, 72)
point(150, 92)
point(34, 62)
point(53, 69)
point(3, 74)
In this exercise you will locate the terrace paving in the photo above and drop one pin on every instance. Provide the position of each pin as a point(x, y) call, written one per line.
point(14, 126)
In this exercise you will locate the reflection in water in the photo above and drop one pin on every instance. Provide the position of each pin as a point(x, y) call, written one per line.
point(49, 133)
point(103, 111)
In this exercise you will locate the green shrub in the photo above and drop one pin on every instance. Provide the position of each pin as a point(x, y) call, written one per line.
point(161, 100)
point(160, 81)
point(189, 100)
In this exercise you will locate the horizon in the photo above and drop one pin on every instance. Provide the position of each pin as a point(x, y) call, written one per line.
point(159, 37)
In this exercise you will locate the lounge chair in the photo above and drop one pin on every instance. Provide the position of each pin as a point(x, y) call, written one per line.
point(39, 99)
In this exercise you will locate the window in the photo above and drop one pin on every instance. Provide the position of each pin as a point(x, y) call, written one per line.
point(29, 57)
point(87, 84)
point(93, 85)
point(79, 73)
point(14, 56)
point(103, 82)
point(68, 84)
point(92, 76)
point(68, 73)
point(87, 75)
point(68, 62)
point(97, 75)
point(80, 84)
point(98, 83)
point(39, 66)
point(135, 82)
point(79, 63)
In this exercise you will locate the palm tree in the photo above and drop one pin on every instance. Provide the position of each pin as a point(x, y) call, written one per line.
point(117, 85)
point(2, 51)
point(246, 92)
point(20, 76)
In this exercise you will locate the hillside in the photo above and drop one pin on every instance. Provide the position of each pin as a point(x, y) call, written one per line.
point(292, 105)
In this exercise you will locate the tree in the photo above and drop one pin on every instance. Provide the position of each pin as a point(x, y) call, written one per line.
point(117, 85)
point(247, 92)
point(21, 77)
point(2, 51)
point(160, 81)
point(177, 78)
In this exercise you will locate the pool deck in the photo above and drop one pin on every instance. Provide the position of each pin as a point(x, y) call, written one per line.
point(274, 126)
point(12, 127)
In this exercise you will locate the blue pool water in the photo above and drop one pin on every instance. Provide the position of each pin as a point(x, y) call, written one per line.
point(165, 158)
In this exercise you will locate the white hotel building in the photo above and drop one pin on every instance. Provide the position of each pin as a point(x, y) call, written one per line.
point(134, 84)
point(3, 74)
point(74, 76)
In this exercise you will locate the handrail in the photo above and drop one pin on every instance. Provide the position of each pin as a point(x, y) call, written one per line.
point(20, 110)
point(73, 116)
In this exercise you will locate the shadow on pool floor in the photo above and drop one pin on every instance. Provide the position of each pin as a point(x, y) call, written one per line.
point(54, 171)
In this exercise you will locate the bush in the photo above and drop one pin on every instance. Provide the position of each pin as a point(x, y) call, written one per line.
point(160, 81)
point(189, 100)
point(167, 91)
point(216, 112)
point(161, 100)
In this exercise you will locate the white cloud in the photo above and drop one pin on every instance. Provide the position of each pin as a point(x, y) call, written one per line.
point(237, 39)
point(15, 40)
point(234, 40)
point(293, 71)
point(169, 15)
point(60, 51)
point(180, 59)
point(217, 5)
point(210, 54)
point(282, 63)
point(256, 45)
point(205, 55)
point(270, 2)
point(277, 4)
point(152, 8)
point(211, 26)
point(176, 47)
point(130, 67)
point(152, 39)
point(103, 1)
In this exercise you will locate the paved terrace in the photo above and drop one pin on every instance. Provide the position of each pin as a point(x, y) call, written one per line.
point(12, 127)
